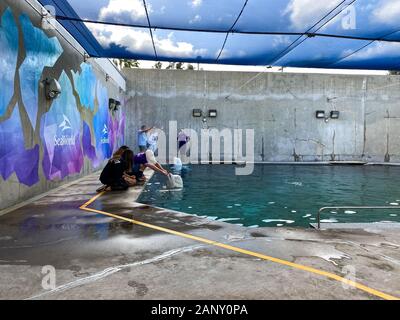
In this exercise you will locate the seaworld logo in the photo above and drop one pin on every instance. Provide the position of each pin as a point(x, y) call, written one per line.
point(105, 138)
point(63, 139)
point(66, 124)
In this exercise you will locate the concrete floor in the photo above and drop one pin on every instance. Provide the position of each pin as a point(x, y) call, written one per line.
point(101, 257)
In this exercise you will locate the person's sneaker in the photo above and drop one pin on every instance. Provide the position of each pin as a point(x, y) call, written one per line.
point(102, 188)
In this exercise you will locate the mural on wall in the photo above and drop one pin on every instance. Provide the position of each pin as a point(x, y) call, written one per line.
point(13, 156)
point(85, 85)
point(77, 124)
point(8, 61)
point(40, 51)
point(117, 127)
point(102, 125)
point(121, 130)
point(60, 132)
point(89, 150)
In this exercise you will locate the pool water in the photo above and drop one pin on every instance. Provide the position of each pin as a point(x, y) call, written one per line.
point(281, 195)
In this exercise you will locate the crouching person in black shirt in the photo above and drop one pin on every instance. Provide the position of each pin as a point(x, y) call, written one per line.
point(115, 174)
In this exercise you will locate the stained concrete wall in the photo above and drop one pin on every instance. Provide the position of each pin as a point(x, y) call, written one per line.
point(40, 149)
point(279, 107)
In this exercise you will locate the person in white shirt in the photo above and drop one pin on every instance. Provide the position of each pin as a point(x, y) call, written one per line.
point(152, 141)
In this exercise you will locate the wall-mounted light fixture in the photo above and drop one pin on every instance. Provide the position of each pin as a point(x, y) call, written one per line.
point(52, 88)
point(107, 77)
point(113, 105)
point(48, 14)
point(334, 114)
point(197, 113)
point(320, 114)
point(86, 57)
point(212, 113)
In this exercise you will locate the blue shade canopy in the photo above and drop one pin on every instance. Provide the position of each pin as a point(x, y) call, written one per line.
point(352, 34)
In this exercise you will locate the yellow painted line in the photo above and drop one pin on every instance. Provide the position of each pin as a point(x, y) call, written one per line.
point(93, 199)
point(243, 251)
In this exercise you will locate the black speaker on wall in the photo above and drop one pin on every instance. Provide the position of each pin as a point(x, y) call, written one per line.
point(114, 105)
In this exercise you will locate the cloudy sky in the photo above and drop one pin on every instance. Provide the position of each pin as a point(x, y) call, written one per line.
point(367, 18)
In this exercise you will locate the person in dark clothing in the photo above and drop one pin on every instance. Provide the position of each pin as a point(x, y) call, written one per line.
point(115, 174)
point(128, 175)
point(112, 176)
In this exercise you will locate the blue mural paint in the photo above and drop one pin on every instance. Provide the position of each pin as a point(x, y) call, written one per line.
point(85, 85)
point(13, 155)
point(8, 58)
point(101, 124)
point(41, 51)
point(60, 133)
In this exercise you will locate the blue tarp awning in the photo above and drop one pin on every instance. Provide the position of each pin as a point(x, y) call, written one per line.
point(349, 34)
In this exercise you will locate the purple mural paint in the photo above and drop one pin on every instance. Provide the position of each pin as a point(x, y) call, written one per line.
point(27, 168)
point(113, 125)
point(88, 149)
point(13, 155)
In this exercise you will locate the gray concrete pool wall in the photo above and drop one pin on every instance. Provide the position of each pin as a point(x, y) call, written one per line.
point(280, 107)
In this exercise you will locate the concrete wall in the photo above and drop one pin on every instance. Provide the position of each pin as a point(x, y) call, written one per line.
point(46, 143)
point(279, 107)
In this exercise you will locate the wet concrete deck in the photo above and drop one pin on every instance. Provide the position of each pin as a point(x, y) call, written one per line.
point(102, 257)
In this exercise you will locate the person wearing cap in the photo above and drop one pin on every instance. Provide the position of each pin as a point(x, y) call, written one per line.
point(147, 159)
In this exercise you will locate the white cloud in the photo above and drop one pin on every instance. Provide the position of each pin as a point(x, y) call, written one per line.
point(196, 3)
point(124, 11)
point(280, 40)
point(134, 40)
point(378, 49)
point(387, 11)
point(196, 18)
point(225, 54)
point(169, 47)
point(242, 53)
point(305, 13)
point(138, 41)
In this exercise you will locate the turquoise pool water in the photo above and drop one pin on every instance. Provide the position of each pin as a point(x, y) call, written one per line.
point(281, 195)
